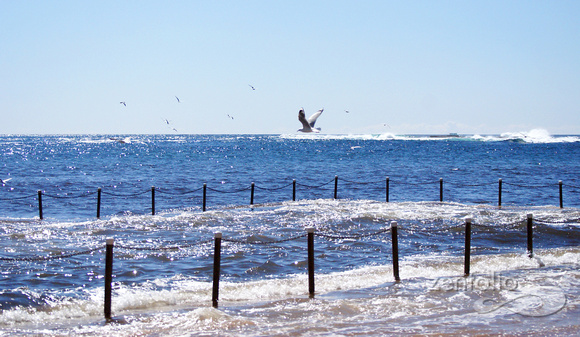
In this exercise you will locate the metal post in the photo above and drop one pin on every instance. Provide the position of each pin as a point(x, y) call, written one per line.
point(467, 246)
point(499, 195)
point(441, 189)
point(335, 187)
point(293, 189)
point(152, 200)
point(387, 189)
point(216, 269)
point(204, 194)
point(108, 277)
point(252, 195)
point(99, 203)
point(395, 242)
point(561, 195)
point(40, 204)
point(530, 236)
point(310, 231)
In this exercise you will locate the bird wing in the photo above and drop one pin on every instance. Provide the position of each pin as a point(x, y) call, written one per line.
point(314, 117)
point(302, 119)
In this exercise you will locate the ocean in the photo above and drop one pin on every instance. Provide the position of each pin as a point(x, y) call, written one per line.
point(163, 198)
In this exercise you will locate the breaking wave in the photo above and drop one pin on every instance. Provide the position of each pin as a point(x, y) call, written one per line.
point(534, 136)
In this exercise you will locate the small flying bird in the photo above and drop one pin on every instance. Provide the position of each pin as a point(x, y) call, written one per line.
point(308, 124)
point(230, 116)
point(347, 111)
point(251, 86)
point(3, 182)
point(123, 103)
point(177, 98)
point(166, 121)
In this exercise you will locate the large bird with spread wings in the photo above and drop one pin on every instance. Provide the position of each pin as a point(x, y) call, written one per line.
point(308, 124)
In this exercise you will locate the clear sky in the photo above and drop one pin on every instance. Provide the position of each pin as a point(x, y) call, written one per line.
point(396, 66)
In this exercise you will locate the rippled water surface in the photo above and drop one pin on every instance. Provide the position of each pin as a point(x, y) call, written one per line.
point(152, 200)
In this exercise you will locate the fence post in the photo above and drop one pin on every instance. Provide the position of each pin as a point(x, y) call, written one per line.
point(108, 277)
point(252, 195)
point(499, 195)
point(216, 269)
point(152, 200)
point(387, 192)
point(467, 246)
point(310, 231)
point(293, 189)
point(40, 204)
point(530, 236)
point(335, 187)
point(395, 242)
point(561, 195)
point(204, 194)
point(441, 189)
point(99, 203)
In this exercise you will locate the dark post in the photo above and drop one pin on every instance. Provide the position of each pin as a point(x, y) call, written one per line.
point(204, 194)
point(216, 269)
point(395, 241)
point(40, 204)
point(561, 195)
point(335, 187)
point(252, 195)
point(152, 200)
point(108, 277)
point(387, 189)
point(310, 231)
point(293, 189)
point(530, 236)
point(441, 189)
point(99, 203)
point(499, 195)
point(467, 245)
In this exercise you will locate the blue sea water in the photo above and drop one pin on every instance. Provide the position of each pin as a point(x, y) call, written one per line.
point(264, 287)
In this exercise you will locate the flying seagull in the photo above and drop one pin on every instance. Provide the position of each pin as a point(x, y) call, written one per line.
point(251, 86)
point(308, 125)
point(4, 181)
point(230, 116)
point(123, 103)
point(177, 98)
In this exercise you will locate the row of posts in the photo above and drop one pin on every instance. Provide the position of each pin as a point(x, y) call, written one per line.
point(252, 188)
point(310, 247)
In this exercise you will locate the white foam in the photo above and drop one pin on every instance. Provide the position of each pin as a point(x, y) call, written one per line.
point(366, 293)
point(185, 292)
point(532, 136)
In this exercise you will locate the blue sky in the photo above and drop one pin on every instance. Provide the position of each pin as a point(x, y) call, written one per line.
point(397, 66)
